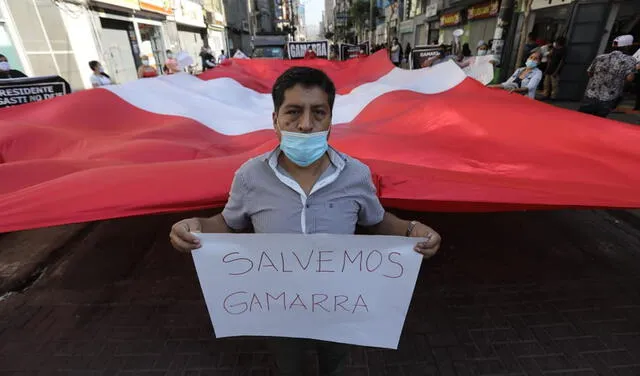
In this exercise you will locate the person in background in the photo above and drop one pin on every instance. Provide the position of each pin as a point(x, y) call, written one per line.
point(310, 54)
point(407, 53)
point(222, 57)
point(269, 192)
point(99, 78)
point(171, 65)
point(608, 73)
point(554, 67)
point(208, 61)
point(524, 80)
point(145, 70)
point(362, 52)
point(529, 47)
point(545, 53)
point(6, 71)
point(464, 59)
point(333, 52)
point(396, 52)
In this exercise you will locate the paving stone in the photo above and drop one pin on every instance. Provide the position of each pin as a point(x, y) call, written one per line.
point(502, 304)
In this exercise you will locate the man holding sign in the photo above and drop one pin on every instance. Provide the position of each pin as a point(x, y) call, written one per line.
point(303, 187)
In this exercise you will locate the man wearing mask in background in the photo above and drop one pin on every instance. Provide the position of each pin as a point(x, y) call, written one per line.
point(608, 74)
point(304, 186)
point(6, 71)
point(171, 65)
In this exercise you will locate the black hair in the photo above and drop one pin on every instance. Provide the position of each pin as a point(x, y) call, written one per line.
point(305, 76)
point(93, 64)
point(2, 56)
point(561, 41)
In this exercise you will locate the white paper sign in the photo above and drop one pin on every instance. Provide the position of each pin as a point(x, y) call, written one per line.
point(637, 55)
point(481, 69)
point(352, 289)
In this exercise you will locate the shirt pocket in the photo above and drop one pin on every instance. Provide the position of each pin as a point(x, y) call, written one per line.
point(338, 216)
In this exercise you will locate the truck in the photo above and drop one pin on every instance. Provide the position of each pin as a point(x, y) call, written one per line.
point(269, 46)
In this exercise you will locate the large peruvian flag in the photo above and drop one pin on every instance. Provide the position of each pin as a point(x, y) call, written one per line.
point(434, 139)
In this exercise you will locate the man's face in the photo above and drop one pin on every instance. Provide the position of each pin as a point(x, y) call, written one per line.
point(304, 110)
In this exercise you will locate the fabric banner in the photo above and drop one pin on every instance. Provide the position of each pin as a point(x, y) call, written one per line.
point(16, 91)
point(434, 139)
point(352, 289)
point(352, 51)
point(297, 49)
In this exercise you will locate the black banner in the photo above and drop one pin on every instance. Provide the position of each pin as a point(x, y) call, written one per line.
point(17, 91)
point(351, 51)
point(297, 50)
point(420, 55)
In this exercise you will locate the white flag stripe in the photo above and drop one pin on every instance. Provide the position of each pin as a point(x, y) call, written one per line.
point(227, 107)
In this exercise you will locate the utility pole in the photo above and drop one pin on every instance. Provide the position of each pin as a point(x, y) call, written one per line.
point(505, 17)
point(371, 21)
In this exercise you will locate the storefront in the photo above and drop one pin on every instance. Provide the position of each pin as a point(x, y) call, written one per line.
point(406, 33)
point(433, 24)
point(482, 22)
point(548, 18)
point(421, 34)
point(41, 39)
point(449, 22)
point(216, 36)
point(191, 29)
point(131, 29)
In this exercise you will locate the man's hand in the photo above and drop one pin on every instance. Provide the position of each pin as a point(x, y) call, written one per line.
point(181, 235)
point(427, 248)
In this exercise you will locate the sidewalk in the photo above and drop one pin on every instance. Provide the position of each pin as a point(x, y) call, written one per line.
point(624, 113)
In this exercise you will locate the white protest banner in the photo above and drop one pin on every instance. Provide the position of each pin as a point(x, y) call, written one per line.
point(352, 289)
point(481, 69)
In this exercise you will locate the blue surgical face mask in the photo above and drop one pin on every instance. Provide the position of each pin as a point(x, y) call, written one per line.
point(531, 64)
point(304, 148)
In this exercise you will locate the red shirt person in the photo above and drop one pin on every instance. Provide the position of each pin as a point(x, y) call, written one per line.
point(310, 54)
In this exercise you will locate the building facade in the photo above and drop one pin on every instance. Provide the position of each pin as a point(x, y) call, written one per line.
point(44, 37)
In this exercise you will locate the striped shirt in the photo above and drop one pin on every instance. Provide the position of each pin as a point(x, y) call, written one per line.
point(265, 196)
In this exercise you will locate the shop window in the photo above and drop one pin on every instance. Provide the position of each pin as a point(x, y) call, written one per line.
point(53, 25)
point(29, 28)
point(43, 65)
point(69, 69)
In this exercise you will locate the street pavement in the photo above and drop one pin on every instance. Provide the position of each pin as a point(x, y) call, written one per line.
point(525, 293)
point(522, 293)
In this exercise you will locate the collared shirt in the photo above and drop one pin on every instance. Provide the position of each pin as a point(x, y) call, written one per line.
point(530, 81)
point(265, 196)
point(609, 72)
